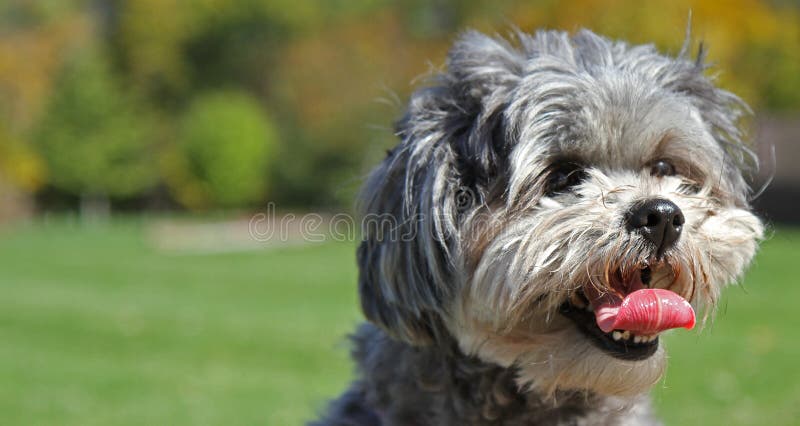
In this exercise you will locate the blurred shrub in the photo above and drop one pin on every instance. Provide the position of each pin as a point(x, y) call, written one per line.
point(223, 153)
point(94, 138)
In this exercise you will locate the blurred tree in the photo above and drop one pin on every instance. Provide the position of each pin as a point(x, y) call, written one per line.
point(318, 67)
point(223, 154)
point(33, 37)
point(20, 164)
point(337, 85)
point(21, 173)
point(146, 39)
point(95, 140)
point(235, 45)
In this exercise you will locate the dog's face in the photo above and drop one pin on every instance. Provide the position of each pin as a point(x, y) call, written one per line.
point(540, 193)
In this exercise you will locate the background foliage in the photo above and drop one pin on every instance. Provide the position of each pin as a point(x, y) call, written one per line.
point(93, 137)
point(325, 78)
point(223, 152)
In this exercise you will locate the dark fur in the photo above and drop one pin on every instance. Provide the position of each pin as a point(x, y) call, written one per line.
point(544, 97)
point(406, 385)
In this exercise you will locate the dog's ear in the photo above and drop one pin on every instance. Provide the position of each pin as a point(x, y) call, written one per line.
point(482, 68)
point(482, 72)
point(452, 139)
point(403, 269)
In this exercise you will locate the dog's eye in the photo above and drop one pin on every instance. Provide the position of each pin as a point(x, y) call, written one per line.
point(564, 176)
point(464, 199)
point(661, 168)
point(689, 188)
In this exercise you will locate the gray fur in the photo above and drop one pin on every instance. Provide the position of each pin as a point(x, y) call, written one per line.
point(464, 278)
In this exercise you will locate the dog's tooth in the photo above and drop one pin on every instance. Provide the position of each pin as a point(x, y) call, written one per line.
point(637, 339)
point(616, 335)
point(626, 335)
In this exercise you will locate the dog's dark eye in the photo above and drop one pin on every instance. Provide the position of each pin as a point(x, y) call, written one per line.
point(464, 199)
point(661, 168)
point(689, 188)
point(564, 176)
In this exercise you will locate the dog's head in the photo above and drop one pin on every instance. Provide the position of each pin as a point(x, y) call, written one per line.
point(541, 191)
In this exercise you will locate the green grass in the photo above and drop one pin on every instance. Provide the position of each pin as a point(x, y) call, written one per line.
point(98, 328)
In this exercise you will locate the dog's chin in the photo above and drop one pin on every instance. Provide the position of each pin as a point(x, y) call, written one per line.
point(570, 358)
point(591, 367)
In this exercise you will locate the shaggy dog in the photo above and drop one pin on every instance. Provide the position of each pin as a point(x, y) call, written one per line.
point(554, 204)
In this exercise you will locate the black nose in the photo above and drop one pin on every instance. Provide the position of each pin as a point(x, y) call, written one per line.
point(658, 220)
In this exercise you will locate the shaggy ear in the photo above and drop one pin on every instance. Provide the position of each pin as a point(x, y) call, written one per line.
point(467, 102)
point(403, 269)
point(482, 67)
point(451, 138)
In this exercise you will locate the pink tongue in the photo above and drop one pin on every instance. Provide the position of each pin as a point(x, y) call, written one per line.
point(645, 311)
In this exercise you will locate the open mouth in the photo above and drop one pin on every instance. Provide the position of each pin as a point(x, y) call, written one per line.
point(620, 344)
point(625, 319)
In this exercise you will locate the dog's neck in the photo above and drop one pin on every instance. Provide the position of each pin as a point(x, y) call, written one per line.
point(397, 379)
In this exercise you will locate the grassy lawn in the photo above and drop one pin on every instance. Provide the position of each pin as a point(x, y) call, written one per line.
point(96, 327)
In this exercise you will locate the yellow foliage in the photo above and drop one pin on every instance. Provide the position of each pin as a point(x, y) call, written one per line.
point(151, 31)
point(328, 76)
point(29, 59)
point(19, 164)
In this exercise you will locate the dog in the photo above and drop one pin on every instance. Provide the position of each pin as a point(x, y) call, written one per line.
point(555, 203)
